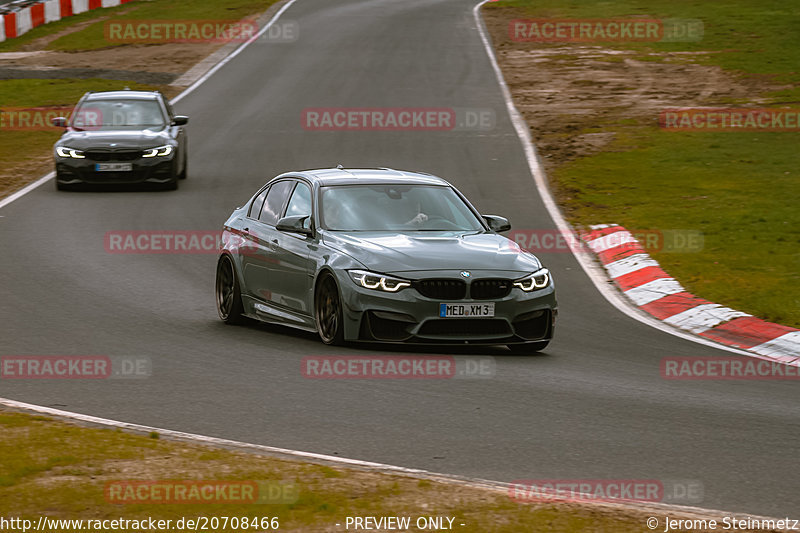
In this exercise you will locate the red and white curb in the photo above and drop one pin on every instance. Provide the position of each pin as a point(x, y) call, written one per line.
point(652, 290)
point(18, 22)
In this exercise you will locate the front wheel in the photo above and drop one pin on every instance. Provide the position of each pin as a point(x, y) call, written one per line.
point(229, 296)
point(185, 170)
point(528, 348)
point(328, 312)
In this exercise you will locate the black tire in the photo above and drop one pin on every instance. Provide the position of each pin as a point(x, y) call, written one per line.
point(528, 348)
point(227, 292)
point(183, 173)
point(328, 311)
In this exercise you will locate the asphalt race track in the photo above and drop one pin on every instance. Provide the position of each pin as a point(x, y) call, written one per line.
point(594, 407)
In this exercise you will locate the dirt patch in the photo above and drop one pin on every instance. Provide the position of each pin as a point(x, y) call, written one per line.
point(563, 91)
point(50, 73)
point(141, 60)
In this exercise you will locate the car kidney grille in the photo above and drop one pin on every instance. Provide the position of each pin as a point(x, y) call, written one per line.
point(442, 289)
point(488, 289)
point(128, 155)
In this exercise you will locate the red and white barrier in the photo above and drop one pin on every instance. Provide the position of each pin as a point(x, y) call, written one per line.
point(652, 290)
point(15, 24)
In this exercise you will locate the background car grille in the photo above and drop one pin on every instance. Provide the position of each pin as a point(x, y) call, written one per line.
point(127, 155)
point(488, 289)
point(442, 289)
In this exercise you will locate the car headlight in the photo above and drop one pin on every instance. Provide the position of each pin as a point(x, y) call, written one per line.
point(161, 151)
point(378, 282)
point(63, 151)
point(538, 280)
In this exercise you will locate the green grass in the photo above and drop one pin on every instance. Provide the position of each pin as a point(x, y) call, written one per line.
point(92, 37)
point(60, 470)
point(754, 37)
point(740, 189)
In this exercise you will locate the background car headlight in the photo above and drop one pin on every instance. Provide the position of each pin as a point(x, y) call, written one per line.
point(63, 151)
point(378, 282)
point(160, 151)
point(538, 280)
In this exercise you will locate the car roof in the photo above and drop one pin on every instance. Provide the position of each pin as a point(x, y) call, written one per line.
point(124, 95)
point(366, 176)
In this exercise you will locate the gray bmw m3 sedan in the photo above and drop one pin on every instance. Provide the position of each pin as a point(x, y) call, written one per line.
point(381, 255)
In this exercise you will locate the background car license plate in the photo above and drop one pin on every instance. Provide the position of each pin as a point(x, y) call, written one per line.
point(113, 167)
point(466, 310)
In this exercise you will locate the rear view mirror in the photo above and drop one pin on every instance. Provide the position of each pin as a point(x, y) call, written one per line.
point(59, 122)
point(295, 224)
point(180, 120)
point(497, 223)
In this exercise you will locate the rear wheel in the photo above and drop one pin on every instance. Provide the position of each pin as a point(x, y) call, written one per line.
point(229, 296)
point(328, 311)
point(528, 348)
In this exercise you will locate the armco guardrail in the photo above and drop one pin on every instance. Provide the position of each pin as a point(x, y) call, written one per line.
point(21, 16)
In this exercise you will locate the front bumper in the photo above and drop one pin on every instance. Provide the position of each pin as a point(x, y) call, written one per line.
point(145, 170)
point(408, 316)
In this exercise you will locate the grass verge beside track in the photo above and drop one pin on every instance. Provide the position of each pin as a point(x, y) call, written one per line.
point(90, 24)
point(609, 161)
point(61, 470)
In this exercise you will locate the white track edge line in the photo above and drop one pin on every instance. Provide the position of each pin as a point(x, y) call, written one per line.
point(595, 274)
point(497, 486)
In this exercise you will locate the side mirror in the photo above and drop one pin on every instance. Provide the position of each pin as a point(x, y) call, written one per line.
point(59, 122)
point(179, 120)
point(295, 224)
point(496, 223)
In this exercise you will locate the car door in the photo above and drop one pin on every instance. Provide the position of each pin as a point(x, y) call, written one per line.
point(259, 258)
point(293, 271)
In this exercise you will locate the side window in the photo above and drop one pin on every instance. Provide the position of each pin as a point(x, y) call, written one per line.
point(255, 207)
point(300, 202)
point(276, 199)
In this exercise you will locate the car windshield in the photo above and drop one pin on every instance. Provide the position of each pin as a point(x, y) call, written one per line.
point(395, 208)
point(119, 115)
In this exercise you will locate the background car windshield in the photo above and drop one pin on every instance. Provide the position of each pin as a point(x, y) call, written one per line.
point(119, 114)
point(395, 208)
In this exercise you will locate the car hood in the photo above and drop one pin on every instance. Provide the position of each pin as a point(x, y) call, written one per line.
point(84, 140)
point(395, 253)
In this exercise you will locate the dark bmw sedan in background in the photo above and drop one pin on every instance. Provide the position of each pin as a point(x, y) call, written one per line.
point(381, 255)
point(121, 137)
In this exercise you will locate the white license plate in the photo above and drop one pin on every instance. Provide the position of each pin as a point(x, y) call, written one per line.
point(113, 167)
point(466, 310)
